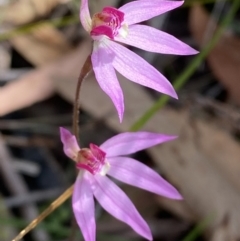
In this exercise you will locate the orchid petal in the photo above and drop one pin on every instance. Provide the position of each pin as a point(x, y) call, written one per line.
point(83, 207)
point(70, 144)
point(142, 10)
point(153, 40)
point(116, 202)
point(136, 69)
point(106, 76)
point(85, 15)
point(128, 170)
point(131, 142)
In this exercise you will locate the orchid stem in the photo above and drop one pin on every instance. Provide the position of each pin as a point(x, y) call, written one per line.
point(83, 74)
point(60, 200)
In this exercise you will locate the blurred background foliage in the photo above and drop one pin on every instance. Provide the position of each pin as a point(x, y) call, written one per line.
point(42, 48)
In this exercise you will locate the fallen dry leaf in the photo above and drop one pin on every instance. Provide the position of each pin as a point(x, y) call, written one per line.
point(221, 232)
point(224, 59)
point(42, 46)
point(41, 83)
point(25, 11)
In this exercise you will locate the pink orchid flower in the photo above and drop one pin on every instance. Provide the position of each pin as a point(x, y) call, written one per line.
point(120, 25)
point(94, 163)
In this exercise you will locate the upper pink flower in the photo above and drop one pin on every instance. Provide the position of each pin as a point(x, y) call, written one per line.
point(119, 25)
point(96, 162)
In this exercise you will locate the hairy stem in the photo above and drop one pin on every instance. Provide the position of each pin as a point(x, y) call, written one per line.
point(83, 74)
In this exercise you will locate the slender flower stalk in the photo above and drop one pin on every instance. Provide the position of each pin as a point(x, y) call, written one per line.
point(95, 163)
point(83, 74)
point(60, 200)
point(113, 26)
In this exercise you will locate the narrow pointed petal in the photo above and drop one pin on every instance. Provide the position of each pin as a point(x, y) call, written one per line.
point(70, 144)
point(136, 69)
point(131, 142)
point(116, 202)
point(85, 15)
point(128, 170)
point(153, 40)
point(106, 76)
point(142, 10)
point(83, 207)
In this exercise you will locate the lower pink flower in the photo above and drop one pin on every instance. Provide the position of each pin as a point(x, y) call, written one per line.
point(95, 163)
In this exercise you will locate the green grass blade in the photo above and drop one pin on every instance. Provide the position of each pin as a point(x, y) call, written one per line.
point(186, 74)
point(199, 228)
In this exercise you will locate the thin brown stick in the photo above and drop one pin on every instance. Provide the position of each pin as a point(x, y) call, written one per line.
point(45, 213)
point(83, 74)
